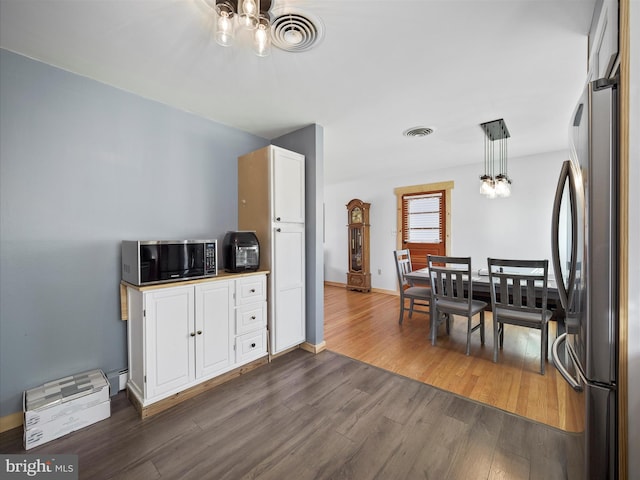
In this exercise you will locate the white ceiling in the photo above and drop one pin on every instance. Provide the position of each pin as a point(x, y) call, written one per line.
point(383, 66)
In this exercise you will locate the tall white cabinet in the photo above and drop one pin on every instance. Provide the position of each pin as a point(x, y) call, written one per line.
point(271, 201)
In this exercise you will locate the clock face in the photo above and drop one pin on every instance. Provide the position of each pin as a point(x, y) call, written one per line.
point(356, 215)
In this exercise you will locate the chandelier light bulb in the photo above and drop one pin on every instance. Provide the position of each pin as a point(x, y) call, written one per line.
point(224, 32)
point(261, 38)
point(487, 186)
point(249, 7)
point(248, 15)
point(503, 186)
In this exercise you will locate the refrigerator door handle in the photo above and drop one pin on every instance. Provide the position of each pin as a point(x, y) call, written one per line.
point(574, 383)
point(564, 290)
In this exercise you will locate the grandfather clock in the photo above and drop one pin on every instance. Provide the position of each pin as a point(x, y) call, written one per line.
point(359, 275)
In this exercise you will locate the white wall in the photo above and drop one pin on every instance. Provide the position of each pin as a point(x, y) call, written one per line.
point(514, 227)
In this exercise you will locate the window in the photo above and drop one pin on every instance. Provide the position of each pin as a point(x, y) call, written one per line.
point(422, 219)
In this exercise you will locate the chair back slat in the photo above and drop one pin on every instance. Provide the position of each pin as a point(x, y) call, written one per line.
point(451, 279)
point(519, 285)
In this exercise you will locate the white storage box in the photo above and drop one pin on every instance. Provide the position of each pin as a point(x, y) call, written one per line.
point(65, 405)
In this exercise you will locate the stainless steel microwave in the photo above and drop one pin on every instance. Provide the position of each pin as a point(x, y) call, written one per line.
point(158, 261)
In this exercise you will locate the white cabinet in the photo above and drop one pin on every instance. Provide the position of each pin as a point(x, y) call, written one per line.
point(214, 307)
point(287, 186)
point(288, 284)
point(169, 352)
point(182, 335)
point(271, 201)
point(250, 319)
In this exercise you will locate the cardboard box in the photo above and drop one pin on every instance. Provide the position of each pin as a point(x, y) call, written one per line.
point(62, 406)
point(45, 432)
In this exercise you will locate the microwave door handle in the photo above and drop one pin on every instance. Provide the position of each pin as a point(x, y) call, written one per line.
point(573, 383)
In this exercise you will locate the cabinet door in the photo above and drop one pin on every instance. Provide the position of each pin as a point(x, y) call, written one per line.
point(168, 342)
point(288, 186)
point(288, 299)
point(213, 320)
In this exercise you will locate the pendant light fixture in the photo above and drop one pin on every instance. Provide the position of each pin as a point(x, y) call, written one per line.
point(251, 15)
point(495, 185)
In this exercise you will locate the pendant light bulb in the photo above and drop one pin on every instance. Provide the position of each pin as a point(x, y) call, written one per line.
point(487, 186)
point(248, 14)
point(503, 186)
point(261, 37)
point(249, 7)
point(225, 29)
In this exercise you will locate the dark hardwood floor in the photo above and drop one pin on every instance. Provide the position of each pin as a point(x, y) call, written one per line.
point(323, 416)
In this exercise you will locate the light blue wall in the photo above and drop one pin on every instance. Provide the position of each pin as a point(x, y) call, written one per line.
point(82, 166)
point(309, 141)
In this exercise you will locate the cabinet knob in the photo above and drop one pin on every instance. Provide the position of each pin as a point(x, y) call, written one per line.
point(278, 230)
point(253, 317)
point(199, 332)
point(253, 345)
point(192, 334)
point(253, 290)
point(278, 219)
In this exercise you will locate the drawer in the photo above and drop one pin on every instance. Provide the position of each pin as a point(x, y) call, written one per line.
point(251, 346)
point(251, 317)
point(251, 289)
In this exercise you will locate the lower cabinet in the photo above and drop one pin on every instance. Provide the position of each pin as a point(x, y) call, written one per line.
point(181, 336)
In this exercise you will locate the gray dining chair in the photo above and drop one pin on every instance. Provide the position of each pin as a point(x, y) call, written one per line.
point(452, 294)
point(519, 297)
point(418, 296)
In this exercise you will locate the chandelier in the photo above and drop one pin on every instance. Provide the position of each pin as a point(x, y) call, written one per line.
point(495, 185)
point(250, 15)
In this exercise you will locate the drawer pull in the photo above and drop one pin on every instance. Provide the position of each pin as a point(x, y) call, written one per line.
point(199, 332)
point(253, 317)
point(253, 290)
point(253, 345)
point(192, 334)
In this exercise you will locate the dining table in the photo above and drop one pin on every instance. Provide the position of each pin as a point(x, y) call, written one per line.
point(481, 291)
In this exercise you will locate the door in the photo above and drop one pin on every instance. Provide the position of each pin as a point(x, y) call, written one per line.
point(213, 327)
point(288, 186)
point(288, 304)
point(168, 342)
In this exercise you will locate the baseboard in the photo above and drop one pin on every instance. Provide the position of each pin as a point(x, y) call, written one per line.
point(314, 348)
point(11, 421)
point(386, 292)
point(376, 290)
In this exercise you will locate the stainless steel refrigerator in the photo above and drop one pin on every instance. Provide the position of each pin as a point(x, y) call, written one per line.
point(585, 257)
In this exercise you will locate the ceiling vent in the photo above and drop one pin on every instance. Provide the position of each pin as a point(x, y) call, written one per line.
point(418, 132)
point(293, 31)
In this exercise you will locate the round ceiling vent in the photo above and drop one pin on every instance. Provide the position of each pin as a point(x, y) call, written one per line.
point(293, 31)
point(418, 132)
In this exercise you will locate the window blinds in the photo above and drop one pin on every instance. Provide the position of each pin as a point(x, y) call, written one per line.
point(422, 217)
